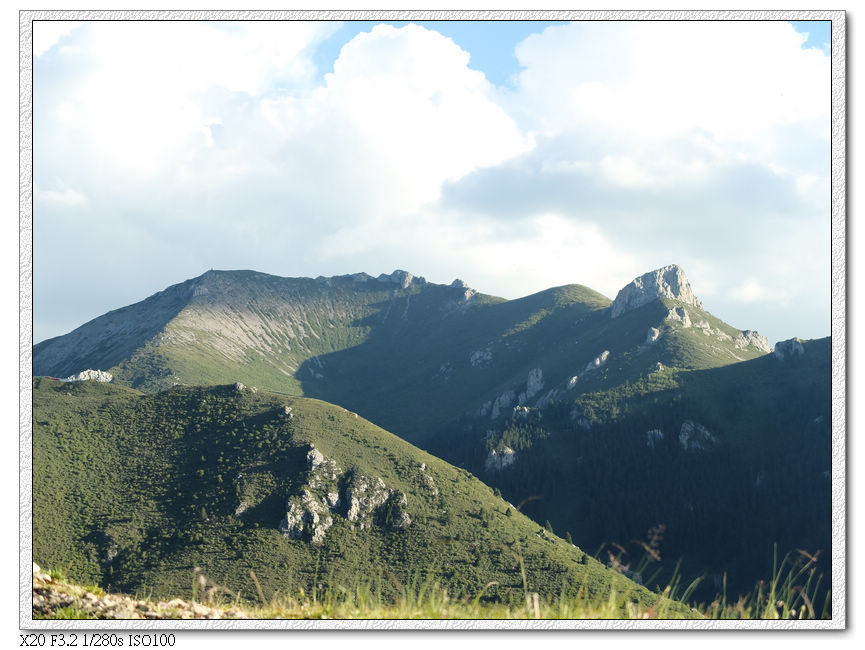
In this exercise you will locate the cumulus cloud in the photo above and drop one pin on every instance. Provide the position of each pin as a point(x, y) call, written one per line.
point(621, 147)
point(220, 138)
point(734, 79)
point(401, 113)
point(707, 141)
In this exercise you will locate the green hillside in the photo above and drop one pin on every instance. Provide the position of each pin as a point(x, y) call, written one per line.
point(138, 493)
point(750, 472)
point(394, 349)
point(564, 397)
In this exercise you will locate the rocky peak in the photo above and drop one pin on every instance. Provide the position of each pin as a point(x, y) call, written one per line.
point(789, 349)
point(402, 278)
point(667, 282)
point(468, 292)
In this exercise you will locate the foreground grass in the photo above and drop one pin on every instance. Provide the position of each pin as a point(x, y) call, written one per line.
point(790, 595)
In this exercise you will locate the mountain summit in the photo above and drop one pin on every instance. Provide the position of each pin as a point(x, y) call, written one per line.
point(394, 348)
point(667, 282)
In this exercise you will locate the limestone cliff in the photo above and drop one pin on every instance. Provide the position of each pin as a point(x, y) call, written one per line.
point(667, 282)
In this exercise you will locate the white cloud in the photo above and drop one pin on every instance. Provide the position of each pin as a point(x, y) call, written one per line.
point(543, 251)
point(750, 291)
point(550, 250)
point(66, 197)
point(656, 79)
point(139, 94)
point(622, 147)
point(221, 138)
point(701, 143)
point(400, 114)
point(626, 172)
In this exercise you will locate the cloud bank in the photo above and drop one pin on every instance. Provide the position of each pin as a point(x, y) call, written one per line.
point(164, 149)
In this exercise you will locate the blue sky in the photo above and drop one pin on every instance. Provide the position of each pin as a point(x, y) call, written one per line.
point(819, 32)
point(493, 49)
point(516, 156)
point(491, 46)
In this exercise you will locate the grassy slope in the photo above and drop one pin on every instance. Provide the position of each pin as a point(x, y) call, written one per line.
point(155, 482)
point(401, 357)
point(395, 355)
point(412, 375)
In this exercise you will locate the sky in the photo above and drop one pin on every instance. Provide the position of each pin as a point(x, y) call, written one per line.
point(515, 156)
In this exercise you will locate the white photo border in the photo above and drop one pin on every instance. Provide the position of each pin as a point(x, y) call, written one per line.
point(838, 316)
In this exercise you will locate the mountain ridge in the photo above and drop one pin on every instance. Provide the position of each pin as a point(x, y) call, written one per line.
point(514, 390)
point(395, 348)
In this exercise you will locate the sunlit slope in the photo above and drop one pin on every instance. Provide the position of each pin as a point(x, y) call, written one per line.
point(134, 491)
point(409, 355)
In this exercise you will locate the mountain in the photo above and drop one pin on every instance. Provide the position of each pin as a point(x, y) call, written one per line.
point(644, 417)
point(729, 463)
point(143, 493)
point(396, 348)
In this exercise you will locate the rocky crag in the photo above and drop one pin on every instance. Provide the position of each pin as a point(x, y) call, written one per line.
point(361, 500)
point(667, 282)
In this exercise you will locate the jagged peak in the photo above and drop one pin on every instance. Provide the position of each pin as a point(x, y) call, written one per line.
point(400, 277)
point(667, 282)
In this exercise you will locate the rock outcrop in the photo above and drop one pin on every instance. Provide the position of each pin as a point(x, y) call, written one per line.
point(521, 412)
point(480, 358)
point(428, 480)
point(708, 330)
point(361, 500)
point(789, 349)
point(401, 278)
point(667, 282)
point(468, 292)
point(696, 437)
point(750, 337)
point(679, 315)
point(534, 382)
point(52, 596)
point(499, 460)
point(90, 375)
point(653, 437)
point(502, 401)
point(598, 361)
